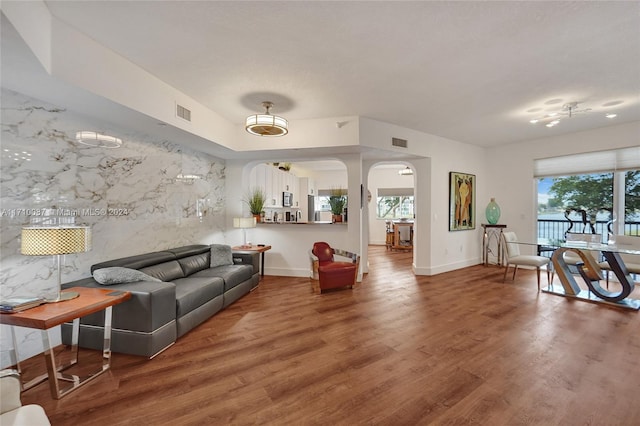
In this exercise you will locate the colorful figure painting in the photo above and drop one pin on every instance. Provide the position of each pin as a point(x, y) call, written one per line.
point(462, 201)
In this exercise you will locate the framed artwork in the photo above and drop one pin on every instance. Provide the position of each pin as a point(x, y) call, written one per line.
point(462, 201)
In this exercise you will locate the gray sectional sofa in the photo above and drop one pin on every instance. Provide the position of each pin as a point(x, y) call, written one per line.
point(195, 282)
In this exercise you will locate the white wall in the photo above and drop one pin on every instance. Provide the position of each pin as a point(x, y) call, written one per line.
point(436, 249)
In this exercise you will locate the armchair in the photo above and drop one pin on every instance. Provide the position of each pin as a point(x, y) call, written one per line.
point(12, 412)
point(327, 273)
point(512, 253)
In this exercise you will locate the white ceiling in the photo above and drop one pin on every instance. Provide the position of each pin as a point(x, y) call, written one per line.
point(475, 72)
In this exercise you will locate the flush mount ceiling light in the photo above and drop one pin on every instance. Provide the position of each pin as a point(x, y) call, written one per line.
point(553, 118)
point(405, 172)
point(98, 140)
point(267, 124)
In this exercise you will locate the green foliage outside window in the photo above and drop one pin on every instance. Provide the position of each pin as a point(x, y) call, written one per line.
point(594, 192)
point(395, 207)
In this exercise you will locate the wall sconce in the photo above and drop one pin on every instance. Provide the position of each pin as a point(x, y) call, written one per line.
point(202, 208)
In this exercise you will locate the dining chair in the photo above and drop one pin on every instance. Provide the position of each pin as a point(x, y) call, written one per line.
point(513, 257)
point(577, 238)
point(631, 261)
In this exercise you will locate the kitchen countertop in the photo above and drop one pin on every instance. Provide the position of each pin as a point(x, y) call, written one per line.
point(328, 222)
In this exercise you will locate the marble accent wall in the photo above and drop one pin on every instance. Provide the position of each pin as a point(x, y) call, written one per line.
point(130, 196)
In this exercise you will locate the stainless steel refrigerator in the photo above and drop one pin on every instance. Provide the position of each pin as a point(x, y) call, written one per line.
point(311, 208)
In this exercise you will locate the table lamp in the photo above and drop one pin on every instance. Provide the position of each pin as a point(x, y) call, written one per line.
point(244, 223)
point(56, 241)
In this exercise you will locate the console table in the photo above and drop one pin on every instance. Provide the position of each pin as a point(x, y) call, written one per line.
point(492, 233)
point(591, 274)
point(49, 315)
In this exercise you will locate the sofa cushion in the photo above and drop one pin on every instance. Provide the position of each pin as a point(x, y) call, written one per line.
point(137, 262)
point(192, 292)
point(166, 271)
point(231, 274)
point(186, 251)
point(152, 305)
point(221, 255)
point(192, 264)
point(119, 275)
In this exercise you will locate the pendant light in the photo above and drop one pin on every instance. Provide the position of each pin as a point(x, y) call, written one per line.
point(405, 172)
point(267, 124)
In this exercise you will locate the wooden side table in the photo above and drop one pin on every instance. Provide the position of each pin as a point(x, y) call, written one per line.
point(47, 316)
point(254, 249)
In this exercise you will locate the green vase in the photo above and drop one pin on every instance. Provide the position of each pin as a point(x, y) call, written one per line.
point(493, 212)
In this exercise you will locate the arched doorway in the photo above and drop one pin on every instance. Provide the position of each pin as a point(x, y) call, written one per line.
point(390, 211)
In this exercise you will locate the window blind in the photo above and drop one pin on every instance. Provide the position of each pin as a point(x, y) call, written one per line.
point(328, 192)
point(589, 162)
point(395, 192)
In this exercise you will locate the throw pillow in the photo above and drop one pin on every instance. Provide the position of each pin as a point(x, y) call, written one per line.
point(119, 275)
point(221, 255)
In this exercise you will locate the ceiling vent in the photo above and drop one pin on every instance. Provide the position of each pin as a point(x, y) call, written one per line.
point(402, 143)
point(183, 113)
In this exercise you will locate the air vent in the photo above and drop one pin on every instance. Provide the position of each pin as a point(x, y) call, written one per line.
point(183, 113)
point(402, 143)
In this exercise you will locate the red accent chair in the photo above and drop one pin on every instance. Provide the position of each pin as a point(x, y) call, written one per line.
point(327, 272)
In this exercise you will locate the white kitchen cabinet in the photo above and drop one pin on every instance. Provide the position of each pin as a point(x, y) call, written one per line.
point(307, 187)
point(274, 182)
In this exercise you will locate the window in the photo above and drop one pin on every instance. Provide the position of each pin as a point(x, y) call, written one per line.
point(598, 192)
point(394, 203)
point(631, 187)
point(322, 200)
point(579, 203)
point(323, 203)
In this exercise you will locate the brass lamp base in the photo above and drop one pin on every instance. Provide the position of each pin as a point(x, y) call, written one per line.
point(64, 296)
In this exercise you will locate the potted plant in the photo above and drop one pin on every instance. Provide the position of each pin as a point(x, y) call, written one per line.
point(285, 167)
point(337, 202)
point(255, 200)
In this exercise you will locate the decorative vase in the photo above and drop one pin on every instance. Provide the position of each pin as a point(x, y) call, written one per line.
point(493, 212)
point(336, 218)
point(258, 218)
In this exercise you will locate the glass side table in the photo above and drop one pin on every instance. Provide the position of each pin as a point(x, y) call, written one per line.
point(492, 240)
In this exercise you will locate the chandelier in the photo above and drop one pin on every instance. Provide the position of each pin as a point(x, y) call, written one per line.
point(267, 124)
point(553, 118)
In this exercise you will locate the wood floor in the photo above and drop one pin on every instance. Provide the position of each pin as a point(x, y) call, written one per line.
point(456, 348)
